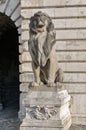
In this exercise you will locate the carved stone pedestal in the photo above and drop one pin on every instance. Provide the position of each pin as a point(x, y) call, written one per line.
point(46, 110)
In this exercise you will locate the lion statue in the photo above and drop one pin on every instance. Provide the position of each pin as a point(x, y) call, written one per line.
point(41, 42)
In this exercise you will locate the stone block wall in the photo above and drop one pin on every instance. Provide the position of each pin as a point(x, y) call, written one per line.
point(69, 18)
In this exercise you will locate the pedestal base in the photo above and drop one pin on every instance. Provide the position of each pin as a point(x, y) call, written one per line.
point(46, 111)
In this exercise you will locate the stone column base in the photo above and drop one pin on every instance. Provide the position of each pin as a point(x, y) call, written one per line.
point(46, 111)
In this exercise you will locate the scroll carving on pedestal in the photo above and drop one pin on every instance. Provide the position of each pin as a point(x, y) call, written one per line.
point(41, 112)
point(41, 46)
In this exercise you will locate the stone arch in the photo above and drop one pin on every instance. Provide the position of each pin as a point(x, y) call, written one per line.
point(11, 8)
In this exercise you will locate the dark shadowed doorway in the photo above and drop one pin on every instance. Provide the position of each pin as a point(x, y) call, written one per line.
point(9, 63)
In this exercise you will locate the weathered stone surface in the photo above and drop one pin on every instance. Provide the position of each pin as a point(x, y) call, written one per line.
point(66, 67)
point(62, 34)
point(16, 14)
point(3, 6)
point(44, 3)
point(25, 67)
point(76, 88)
point(75, 77)
point(25, 56)
point(61, 23)
point(73, 19)
point(26, 87)
point(25, 46)
point(73, 127)
point(78, 115)
point(20, 40)
point(42, 39)
point(47, 110)
point(71, 56)
point(78, 127)
point(25, 35)
point(19, 30)
point(70, 45)
point(21, 113)
point(18, 22)
point(56, 12)
point(68, 56)
point(20, 49)
point(12, 6)
point(72, 88)
point(26, 77)
point(68, 78)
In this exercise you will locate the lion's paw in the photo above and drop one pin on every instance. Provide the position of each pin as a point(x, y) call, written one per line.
point(34, 84)
point(51, 84)
point(41, 83)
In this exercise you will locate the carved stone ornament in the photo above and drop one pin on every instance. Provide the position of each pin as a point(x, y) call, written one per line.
point(41, 112)
point(41, 46)
point(2, 1)
point(46, 111)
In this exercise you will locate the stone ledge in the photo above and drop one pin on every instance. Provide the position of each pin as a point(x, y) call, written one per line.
point(47, 124)
point(25, 87)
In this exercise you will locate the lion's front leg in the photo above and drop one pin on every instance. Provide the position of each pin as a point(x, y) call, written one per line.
point(36, 70)
point(52, 71)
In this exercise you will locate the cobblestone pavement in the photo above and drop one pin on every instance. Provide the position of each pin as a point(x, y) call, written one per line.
point(9, 120)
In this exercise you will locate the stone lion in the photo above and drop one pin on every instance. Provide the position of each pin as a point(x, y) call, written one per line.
point(41, 45)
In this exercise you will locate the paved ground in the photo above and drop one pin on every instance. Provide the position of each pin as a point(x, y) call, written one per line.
point(9, 120)
point(77, 127)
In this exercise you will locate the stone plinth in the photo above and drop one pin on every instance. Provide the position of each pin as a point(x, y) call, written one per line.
point(46, 110)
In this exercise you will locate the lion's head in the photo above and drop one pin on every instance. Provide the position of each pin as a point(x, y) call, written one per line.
point(39, 21)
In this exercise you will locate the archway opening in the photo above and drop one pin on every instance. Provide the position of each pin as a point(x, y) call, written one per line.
point(9, 63)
